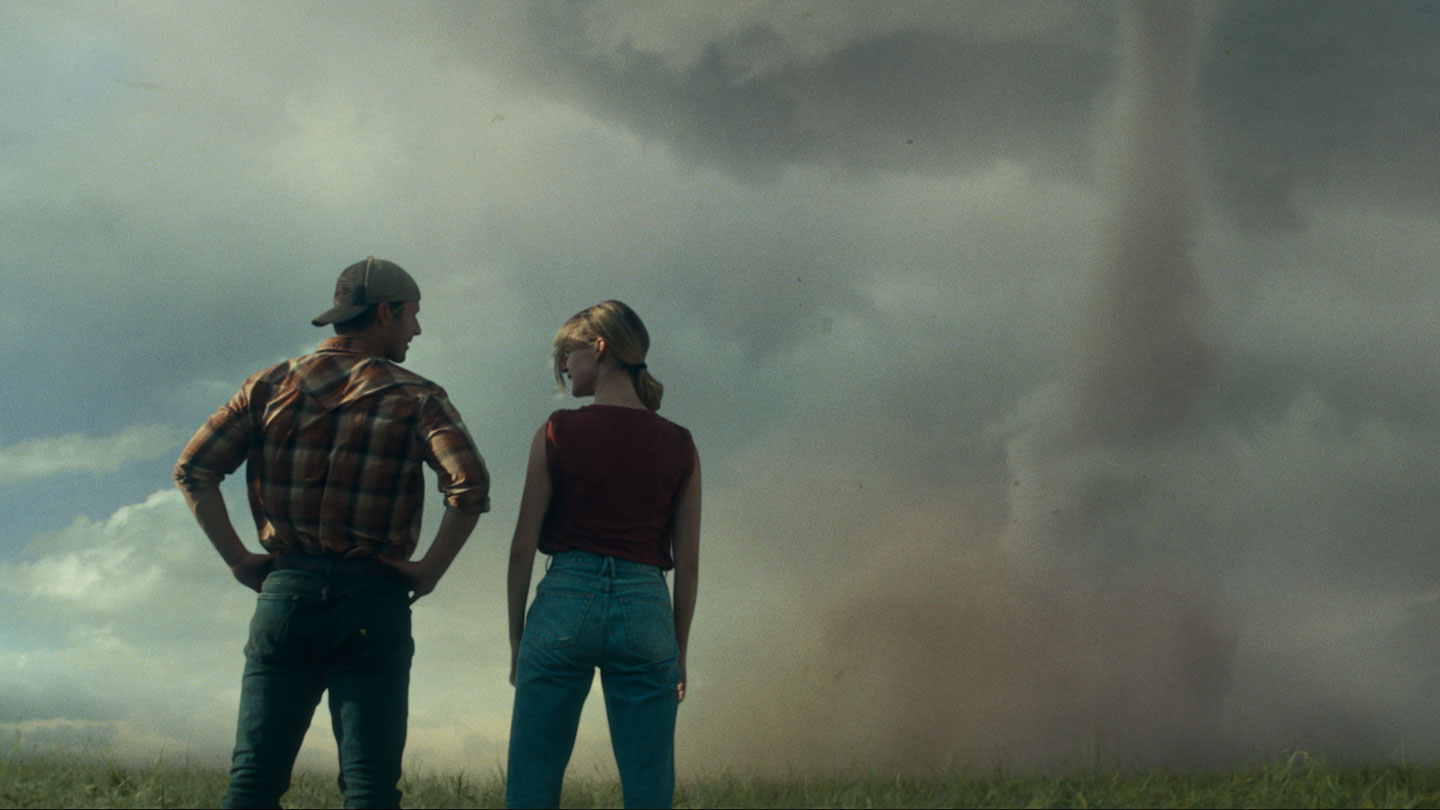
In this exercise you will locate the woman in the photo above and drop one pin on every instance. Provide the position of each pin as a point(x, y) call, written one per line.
point(612, 494)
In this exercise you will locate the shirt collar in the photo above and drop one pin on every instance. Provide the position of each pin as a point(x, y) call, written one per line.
point(348, 344)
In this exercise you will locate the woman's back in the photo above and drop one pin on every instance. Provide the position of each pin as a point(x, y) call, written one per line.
point(616, 474)
point(612, 492)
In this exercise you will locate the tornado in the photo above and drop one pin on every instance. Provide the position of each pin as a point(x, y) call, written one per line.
point(1141, 364)
point(1030, 644)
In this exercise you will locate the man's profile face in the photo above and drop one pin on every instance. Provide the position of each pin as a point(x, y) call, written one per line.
point(403, 325)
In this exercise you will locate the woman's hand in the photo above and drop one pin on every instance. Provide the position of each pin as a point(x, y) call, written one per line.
point(685, 549)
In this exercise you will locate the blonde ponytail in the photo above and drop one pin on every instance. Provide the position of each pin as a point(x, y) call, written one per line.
point(648, 389)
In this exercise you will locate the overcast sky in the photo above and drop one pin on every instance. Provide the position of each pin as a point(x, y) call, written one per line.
point(1050, 399)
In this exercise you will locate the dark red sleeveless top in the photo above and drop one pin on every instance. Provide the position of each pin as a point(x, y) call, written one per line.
point(616, 474)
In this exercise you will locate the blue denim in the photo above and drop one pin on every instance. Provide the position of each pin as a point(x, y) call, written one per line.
point(592, 611)
point(314, 631)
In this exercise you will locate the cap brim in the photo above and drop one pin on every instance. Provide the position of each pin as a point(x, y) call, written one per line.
point(339, 314)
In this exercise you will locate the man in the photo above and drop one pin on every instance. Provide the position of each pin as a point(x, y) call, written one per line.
point(333, 443)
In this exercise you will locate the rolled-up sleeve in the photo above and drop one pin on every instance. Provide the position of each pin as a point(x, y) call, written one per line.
point(218, 448)
point(451, 452)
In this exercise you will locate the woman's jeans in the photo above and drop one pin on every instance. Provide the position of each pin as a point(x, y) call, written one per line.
point(315, 630)
point(592, 611)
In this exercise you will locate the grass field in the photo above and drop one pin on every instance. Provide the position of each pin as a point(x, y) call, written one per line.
point(1296, 780)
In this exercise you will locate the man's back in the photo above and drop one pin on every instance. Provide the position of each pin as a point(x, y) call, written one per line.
point(334, 442)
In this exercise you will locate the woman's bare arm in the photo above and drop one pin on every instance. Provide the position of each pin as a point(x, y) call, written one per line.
point(685, 548)
point(534, 503)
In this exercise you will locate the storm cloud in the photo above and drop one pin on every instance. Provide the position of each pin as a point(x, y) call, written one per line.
point(1019, 439)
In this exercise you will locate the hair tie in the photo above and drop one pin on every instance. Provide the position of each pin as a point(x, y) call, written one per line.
point(638, 367)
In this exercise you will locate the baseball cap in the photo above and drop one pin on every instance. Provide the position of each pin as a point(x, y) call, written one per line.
point(363, 285)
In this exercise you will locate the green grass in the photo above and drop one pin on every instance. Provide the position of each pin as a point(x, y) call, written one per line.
point(40, 780)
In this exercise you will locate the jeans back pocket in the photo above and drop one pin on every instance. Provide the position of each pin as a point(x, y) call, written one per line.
point(649, 628)
point(557, 618)
point(272, 628)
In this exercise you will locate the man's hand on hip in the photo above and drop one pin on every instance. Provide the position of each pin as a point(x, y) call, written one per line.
point(252, 570)
point(423, 575)
point(421, 581)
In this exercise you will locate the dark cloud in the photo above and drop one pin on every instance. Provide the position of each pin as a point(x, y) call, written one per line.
point(913, 100)
point(1306, 99)
point(931, 102)
point(1295, 98)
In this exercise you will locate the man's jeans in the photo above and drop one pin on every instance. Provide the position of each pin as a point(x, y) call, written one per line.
point(318, 630)
point(592, 611)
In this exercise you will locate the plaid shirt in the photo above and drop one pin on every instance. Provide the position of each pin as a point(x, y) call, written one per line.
point(334, 442)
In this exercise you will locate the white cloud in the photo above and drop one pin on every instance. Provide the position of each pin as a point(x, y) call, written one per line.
point(78, 453)
point(125, 634)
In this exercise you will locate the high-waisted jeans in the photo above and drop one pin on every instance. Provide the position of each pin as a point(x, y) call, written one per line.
point(593, 611)
point(313, 631)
